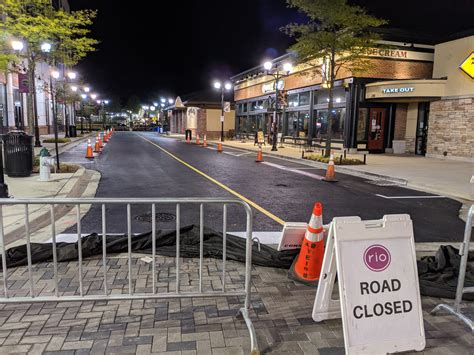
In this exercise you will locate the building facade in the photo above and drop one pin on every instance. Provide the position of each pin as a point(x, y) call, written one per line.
point(201, 113)
point(414, 98)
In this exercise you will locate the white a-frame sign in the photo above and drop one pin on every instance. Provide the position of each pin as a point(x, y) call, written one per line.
point(379, 296)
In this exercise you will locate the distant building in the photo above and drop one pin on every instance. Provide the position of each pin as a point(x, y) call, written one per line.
point(414, 99)
point(200, 112)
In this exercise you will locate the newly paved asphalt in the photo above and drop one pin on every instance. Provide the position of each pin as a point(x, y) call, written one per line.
point(133, 165)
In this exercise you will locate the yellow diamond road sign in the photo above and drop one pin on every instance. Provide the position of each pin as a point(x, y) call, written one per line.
point(468, 65)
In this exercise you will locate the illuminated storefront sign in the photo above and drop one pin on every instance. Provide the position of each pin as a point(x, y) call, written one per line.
point(398, 90)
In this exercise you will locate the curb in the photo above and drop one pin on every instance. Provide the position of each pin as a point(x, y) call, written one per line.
point(79, 187)
point(69, 145)
point(342, 169)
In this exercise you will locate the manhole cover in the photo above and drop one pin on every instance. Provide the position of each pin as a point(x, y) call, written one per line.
point(160, 217)
point(281, 185)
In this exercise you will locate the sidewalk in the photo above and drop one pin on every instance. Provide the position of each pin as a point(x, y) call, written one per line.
point(82, 183)
point(62, 146)
point(446, 177)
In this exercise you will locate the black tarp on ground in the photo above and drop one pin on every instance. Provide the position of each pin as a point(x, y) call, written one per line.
point(438, 274)
point(165, 245)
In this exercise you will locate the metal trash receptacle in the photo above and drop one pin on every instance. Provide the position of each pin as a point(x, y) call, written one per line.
point(18, 154)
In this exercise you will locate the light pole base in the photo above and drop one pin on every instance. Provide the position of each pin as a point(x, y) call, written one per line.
point(38, 144)
point(4, 191)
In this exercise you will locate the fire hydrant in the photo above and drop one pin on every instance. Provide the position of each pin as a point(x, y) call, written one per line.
point(46, 162)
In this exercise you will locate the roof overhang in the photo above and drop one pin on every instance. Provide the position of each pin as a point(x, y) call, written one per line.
point(405, 90)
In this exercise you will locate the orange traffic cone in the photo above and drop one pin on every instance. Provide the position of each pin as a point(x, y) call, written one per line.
point(197, 139)
point(307, 266)
point(219, 147)
point(89, 152)
point(106, 137)
point(259, 154)
point(96, 146)
point(101, 145)
point(188, 140)
point(204, 144)
point(330, 177)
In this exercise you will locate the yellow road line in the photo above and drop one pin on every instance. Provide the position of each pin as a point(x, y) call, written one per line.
point(228, 189)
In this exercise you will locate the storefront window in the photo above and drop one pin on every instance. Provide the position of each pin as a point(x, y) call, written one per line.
point(242, 124)
point(293, 100)
point(260, 123)
point(244, 107)
point(337, 123)
point(362, 124)
point(304, 98)
point(322, 96)
point(303, 122)
point(292, 123)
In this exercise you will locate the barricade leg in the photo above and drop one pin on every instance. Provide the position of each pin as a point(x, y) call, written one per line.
point(461, 290)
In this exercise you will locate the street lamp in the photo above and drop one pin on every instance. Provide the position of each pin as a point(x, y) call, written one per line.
point(163, 100)
point(46, 47)
point(93, 96)
point(17, 45)
point(72, 75)
point(102, 103)
point(170, 101)
point(86, 89)
point(74, 88)
point(277, 75)
point(227, 86)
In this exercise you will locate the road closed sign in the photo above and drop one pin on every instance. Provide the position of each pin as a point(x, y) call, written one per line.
point(378, 285)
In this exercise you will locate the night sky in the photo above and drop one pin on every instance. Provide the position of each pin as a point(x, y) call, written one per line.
point(158, 47)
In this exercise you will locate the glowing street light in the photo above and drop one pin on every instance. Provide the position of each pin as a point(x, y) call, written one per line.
point(86, 89)
point(217, 85)
point(74, 88)
point(93, 96)
point(46, 47)
point(55, 74)
point(84, 96)
point(268, 65)
point(163, 100)
point(170, 101)
point(17, 45)
point(152, 108)
point(72, 75)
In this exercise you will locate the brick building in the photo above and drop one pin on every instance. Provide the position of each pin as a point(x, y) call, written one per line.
point(200, 112)
point(413, 99)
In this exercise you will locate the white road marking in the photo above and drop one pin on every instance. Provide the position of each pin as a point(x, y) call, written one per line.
point(408, 197)
point(296, 171)
point(237, 154)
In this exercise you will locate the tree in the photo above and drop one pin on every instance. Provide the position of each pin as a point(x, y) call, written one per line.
point(37, 22)
point(336, 36)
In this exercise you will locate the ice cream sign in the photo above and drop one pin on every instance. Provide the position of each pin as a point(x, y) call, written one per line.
point(379, 298)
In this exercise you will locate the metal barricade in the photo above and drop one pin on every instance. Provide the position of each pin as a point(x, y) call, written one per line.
point(128, 202)
point(461, 290)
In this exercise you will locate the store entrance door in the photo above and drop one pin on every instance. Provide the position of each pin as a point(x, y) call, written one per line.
point(376, 129)
point(422, 128)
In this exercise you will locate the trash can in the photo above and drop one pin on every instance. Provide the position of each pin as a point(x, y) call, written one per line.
point(72, 131)
point(18, 154)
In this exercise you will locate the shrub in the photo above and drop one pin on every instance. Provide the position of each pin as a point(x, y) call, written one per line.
point(337, 160)
point(60, 140)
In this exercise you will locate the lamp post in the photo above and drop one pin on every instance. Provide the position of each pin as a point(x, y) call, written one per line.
point(227, 86)
point(102, 104)
point(54, 75)
point(277, 75)
point(72, 76)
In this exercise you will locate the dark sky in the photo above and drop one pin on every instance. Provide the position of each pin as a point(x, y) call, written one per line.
point(161, 47)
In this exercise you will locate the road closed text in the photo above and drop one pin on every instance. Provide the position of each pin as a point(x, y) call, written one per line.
point(383, 308)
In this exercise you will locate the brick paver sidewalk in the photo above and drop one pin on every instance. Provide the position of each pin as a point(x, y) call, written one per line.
point(281, 314)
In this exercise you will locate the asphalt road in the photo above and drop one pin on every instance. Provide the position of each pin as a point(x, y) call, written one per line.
point(143, 164)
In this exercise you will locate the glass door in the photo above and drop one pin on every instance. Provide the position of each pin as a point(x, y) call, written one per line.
point(422, 128)
point(376, 129)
